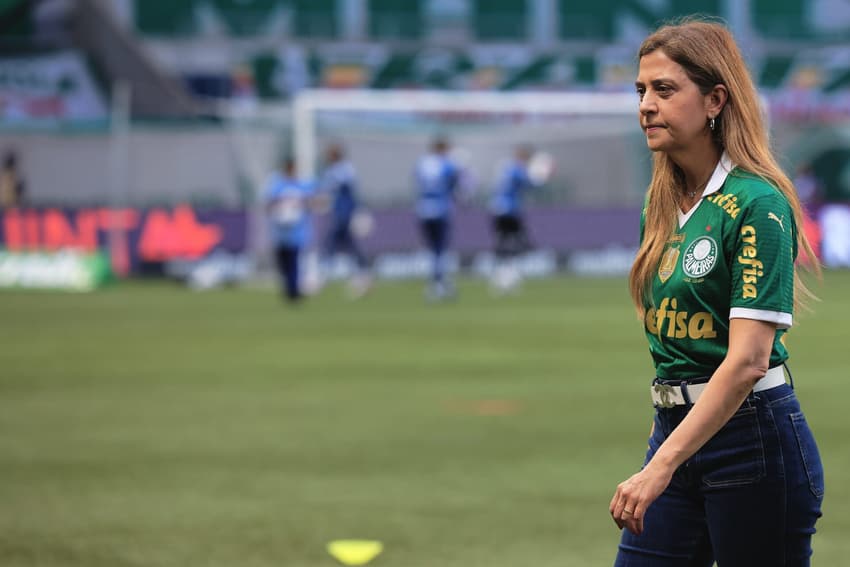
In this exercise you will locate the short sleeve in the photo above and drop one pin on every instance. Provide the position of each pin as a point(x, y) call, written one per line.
point(763, 265)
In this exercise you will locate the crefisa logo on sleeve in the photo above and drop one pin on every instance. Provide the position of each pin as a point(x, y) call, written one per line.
point(700, 257)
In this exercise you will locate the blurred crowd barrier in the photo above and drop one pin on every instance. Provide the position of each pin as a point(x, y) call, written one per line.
point(207, 246)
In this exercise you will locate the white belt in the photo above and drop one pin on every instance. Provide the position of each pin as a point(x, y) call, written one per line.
point(668, 395)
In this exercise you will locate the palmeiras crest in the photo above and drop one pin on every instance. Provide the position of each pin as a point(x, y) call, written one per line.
point(700, 257)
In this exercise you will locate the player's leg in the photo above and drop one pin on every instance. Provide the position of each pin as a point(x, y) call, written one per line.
point(427, 229)
point(500, 235)
point(348, 244)
point(508, 274)
point(431, 230)
point(518, 247)
point(501, 251)
point(524, 243)
point(331, 244)
point(327, 251)
point(443, 236)
point(281, 264)
point(361, 281)
point(291, 273)
point(429, 236)
point(436, 238)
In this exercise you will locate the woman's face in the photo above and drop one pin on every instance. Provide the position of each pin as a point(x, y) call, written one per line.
point(673, 112)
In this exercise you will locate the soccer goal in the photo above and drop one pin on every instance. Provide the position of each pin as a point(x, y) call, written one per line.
point(593, 140)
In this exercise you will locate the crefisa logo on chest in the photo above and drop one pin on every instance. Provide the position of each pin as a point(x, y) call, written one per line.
point(700, 257)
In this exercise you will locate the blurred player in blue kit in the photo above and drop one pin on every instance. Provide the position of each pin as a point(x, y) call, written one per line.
point(437, 177)
point(338, 183)
point(287, 202)
point(524, 172)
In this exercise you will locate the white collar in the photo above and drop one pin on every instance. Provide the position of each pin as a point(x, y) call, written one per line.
point(721, 171)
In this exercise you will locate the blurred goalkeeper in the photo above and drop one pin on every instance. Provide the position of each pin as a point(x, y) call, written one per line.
point(437, 177)
point(526, 171)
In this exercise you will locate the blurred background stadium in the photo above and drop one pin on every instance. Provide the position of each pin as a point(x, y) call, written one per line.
point(177, 111)
point(145, 425)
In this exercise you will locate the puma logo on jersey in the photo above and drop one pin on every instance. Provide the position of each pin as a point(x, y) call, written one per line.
point(772, 216)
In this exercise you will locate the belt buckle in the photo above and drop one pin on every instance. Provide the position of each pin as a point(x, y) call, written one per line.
point(665, 394)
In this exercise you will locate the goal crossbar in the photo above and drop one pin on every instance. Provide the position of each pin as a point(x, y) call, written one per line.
point(308, 103)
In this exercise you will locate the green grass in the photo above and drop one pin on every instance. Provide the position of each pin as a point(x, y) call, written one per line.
point(146, 425)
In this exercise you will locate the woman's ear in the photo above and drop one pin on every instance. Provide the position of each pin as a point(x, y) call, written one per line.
point(716, 100)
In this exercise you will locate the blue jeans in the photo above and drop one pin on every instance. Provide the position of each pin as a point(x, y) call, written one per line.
point(749, 497)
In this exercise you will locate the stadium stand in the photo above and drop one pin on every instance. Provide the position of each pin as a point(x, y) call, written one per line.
point(500, 20)
point(168, 19)
point(119, 58)
point(389, 20)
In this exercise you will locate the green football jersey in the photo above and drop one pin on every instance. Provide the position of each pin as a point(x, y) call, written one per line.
point(732, 256)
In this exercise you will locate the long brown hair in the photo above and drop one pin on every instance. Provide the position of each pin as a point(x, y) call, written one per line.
point(709, 56)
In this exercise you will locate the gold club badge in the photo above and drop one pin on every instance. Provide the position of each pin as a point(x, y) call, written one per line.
point(668, 264)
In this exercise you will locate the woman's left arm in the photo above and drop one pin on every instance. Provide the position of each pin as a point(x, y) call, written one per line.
point(746, 362)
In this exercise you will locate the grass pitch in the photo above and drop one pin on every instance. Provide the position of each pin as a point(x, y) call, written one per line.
point(146, 425)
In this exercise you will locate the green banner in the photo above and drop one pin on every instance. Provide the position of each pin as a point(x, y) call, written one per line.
point(65, 270)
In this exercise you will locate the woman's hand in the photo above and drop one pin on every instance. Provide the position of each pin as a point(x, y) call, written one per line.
point(633, 496)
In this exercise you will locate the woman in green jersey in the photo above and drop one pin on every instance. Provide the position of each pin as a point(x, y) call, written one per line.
point(732, 473)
